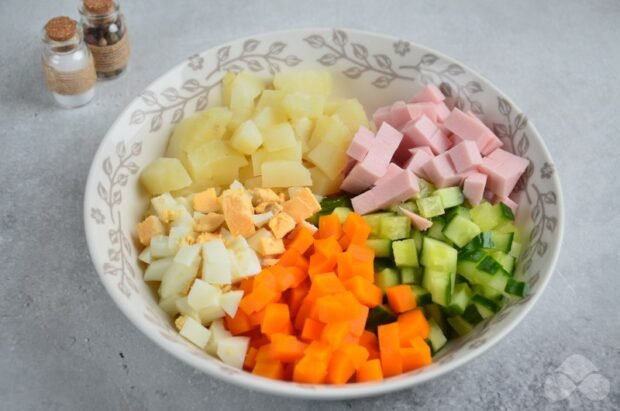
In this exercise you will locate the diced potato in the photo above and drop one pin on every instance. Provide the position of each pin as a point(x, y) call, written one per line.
point(261, 155)
point(254, 182)
point(330, 159)
point(232, 350)
point(285, 173)
point(319, 82)
point(323, 185)
point(333, 130)
point(267, 117)
point(279, 137)
point(177, 278)
point(169, 305)
point(227, 82)
point(299, 105)
point(245, 88)
point(230, 301)
point(303, 128)
point(164, 174)
point(203, 295)
point(352, 114)
point(215, 161)
point(195, 187)
point(246, 172)
point(247, 138)
point(199, 336)
point(181, 134)
point(332, 105)
point(273, 99)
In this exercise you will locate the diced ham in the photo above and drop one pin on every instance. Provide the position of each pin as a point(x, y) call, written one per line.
point(428, 109)
point(361, 177)
point(503, 170)
point(399, 114)
point(362, 143)
point(417, 162)
point(364, 203)
point(473, 188)
point(350, 164)
point(470, 127)
point(381, 115)
point(424, 132)
point(400, 187)
point(465, 156)
point(429, 94)
point(418, 221)
point(426, 149)
point(442, 112)
point(392, 170)
point(441, 171)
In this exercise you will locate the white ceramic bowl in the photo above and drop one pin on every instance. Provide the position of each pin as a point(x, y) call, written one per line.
point(376, 69)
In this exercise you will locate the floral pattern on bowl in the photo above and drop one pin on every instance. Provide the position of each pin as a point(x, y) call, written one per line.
point(374, 68)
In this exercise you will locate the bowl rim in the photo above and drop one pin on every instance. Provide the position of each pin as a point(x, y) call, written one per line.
point(325, 392)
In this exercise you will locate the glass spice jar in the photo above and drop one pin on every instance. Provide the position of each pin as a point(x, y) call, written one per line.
point(104, 30)
point(67, 63)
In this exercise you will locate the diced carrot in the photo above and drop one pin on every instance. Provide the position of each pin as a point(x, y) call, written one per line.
point(389, 349)
point(288, 368)
point(329, 226)
point(364, 269)
point(334, 333)
point(286, 348)
point(264, 353)
point(344, 241)
point(365, 291)
point(350, 339)
point(260, 341)
point(304, 312)
point(335, 308)
point(239, 324)
point(266, 278)
point(256, 318)
point(250, 358)
point(327, 247)
point(368, 340)
point(401, 298)
point(361, 253)
point(258, 299)
point(270, 369)
point(302, 241)
point(370, 371)
point(356, 353)
point(319, 350)
point(287, 277)
point(358, 323)
point(246, 285)
point(412, 323)
point(417, 355)
point(320, 264)
point(292, 257)
point(356, 228)
point(312, 330)
point(345, 266)
point(276, 320)
point(296, 297)
point(324, 284)
point(340, 369)
point(310, 370)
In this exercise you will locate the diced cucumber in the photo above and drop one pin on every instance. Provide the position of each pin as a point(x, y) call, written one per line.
point(411, 275)
point(440, 284)
point(505, 211)
point(426, 188)
point(436, 338)
point(489, 292)
point(381, 264)
point(460, 230)
point(516, 288)
point(459, 325)
point(460, 298)
point(487, 303)
point(328, 204)
point(515, 249)
point(501, 241)
point(482, 240)
point(460, 210)
point(438, 256)
point(379, 315)
point(472, 314)
point(450, 196)
point(485, 216)
point(387, 278)
point(381, 246)
point(507, 261)
point(395, 227)
point(430, 206)
point(407, 205)
point(489, 265)
point(509, 227)
point(474, 275)
point(422, 295)
point(484, 311)
point(435, 313)
point(436, 230)
point(342, 213)
point(417, 237)
point(374, 221)
point(405, 253)
point(471, 255)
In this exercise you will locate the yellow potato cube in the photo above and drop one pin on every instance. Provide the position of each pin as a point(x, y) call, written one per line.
point(329, 158)
point(245, 88)
point(213, 159)
point(299, 105)
point(246, 172)
point(332, 105)
point(195, 187)
point(267, 117)
point(331, 129)
point(253, 182)
point(285, 173)
point(164, 174)
point(279, 137)
point(262, 155)
point(227, 82)
point(323, 185)
point(352, 114)
point(247, 138)
point(319, 82)
point(271, 98)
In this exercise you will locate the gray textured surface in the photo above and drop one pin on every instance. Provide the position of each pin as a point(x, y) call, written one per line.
point(65, 346)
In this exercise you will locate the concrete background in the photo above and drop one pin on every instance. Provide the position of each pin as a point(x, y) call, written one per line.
point(65, 346)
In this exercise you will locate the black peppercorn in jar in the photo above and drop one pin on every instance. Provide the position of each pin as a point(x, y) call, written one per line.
point(104, 30)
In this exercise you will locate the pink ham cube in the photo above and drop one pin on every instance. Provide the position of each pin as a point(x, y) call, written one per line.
point(350, 164)
point(399, 114)
point(361, 144)
point(442, 112)
point(400, 187)
point(424, 132)
point(465, 156)
point(441, 172)
point(364, 203)
point(429, 109)
point(389, 136)
point(470, 127)
point(361, 177)
point(473, 188)
point(426, 149)
point(381, 115)
point(503, 170)
point(392, 170)
point(429, 94)
point(418, 221)
point(418, 161)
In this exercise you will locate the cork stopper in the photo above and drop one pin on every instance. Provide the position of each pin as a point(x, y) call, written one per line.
point(61, 28)
point(99, 6)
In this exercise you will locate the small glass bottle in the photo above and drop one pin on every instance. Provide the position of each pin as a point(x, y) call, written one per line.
point(68, 64)
point(104, 30)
